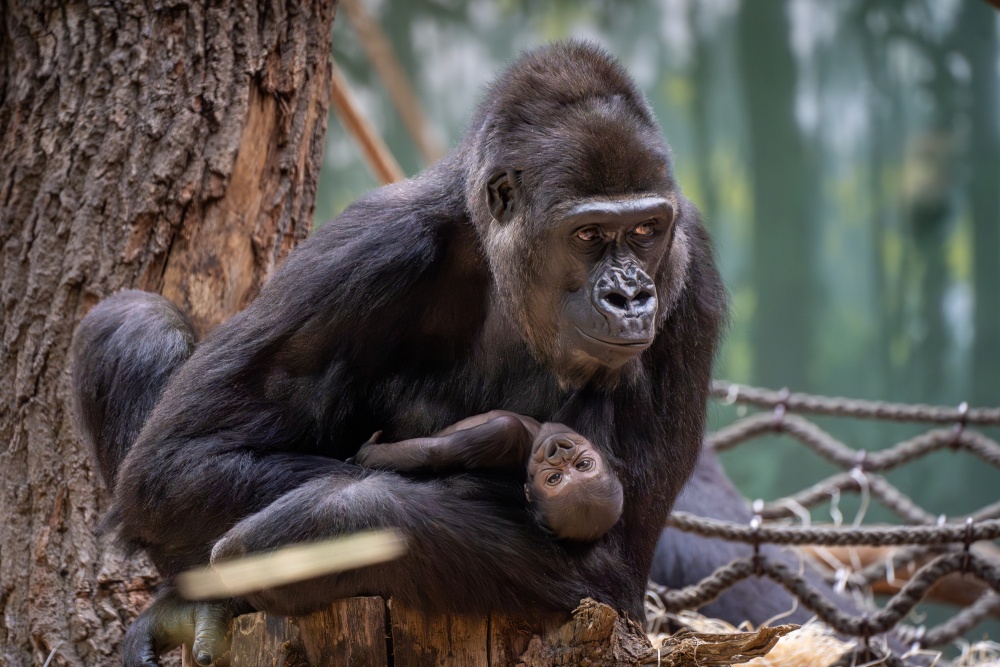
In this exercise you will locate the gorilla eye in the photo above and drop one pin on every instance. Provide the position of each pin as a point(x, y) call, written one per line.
point(585, 465)
point(645, 229)
point(588, 234)
point(553, 479)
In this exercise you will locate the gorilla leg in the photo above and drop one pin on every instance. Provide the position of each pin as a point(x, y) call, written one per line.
point(458, 539)
point(123, 353)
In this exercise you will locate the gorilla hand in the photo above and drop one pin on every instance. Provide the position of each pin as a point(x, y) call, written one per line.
point(405, 455)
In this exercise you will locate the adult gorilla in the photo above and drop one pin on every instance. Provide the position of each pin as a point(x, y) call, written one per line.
point(549, 266)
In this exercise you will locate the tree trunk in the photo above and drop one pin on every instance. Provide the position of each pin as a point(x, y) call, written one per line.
point(172, 148)
point(785, 206)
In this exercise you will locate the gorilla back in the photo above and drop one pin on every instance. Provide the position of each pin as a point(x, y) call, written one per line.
point(549, 266)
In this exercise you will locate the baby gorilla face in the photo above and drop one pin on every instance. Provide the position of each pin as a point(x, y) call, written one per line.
point(561, 459)
point(578, 497)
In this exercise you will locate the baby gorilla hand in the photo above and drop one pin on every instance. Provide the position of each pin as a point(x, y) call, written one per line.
point(406, 455)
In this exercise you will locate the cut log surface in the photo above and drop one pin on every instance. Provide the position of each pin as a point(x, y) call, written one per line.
point(268, 641)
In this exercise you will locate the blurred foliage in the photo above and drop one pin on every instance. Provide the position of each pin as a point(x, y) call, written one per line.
point(846, 157)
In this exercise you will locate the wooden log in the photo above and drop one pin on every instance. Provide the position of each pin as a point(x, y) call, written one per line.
point(369, 632)
point(267, 641)
point(390, 70)
point(351, 632)
point(509, 639)
point(420, 640)
point(376, 153)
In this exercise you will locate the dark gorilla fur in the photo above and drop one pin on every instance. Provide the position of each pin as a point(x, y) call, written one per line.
point(425, 302)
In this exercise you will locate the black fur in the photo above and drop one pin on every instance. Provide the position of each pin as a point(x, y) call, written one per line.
point(131, 345)
point(416, 308)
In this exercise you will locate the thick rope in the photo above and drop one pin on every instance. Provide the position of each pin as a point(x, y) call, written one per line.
point(836, 452)
point(848, 407)
point(927, 535)
point(836, 537)
point(881, 621)
point(878, 487)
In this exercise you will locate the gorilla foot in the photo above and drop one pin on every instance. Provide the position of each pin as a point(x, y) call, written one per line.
point(169, 622)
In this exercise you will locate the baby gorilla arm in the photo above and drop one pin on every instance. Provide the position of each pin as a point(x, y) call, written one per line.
point(493, 440)
point(573, 491)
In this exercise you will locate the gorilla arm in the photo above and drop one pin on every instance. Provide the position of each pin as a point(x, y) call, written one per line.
point(493, 440)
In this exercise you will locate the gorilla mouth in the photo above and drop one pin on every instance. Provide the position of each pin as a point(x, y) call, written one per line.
point(621, 343)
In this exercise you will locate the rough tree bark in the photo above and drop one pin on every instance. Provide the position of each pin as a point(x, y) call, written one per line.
point(170, 147)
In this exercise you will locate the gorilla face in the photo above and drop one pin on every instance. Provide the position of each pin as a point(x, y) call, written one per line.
point(586, 290)
point(612, 249)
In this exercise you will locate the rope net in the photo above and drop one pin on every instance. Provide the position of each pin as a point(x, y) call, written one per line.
point(925, 542)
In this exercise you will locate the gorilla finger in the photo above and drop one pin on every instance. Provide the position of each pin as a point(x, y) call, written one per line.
point(211, 632)
point(362, 456)
point(139, 647)
point(164, 625)
point(139, 655)
point(369, 456)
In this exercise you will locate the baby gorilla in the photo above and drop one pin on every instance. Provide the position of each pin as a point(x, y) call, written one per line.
point(570, 489)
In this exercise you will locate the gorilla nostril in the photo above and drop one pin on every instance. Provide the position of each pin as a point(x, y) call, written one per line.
point(621, 302)
point(557, 449)
point(617, 301)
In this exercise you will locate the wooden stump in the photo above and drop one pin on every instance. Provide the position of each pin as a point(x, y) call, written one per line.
point(371, 632)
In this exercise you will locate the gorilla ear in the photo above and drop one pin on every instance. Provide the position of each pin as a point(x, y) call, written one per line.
point(500, 194)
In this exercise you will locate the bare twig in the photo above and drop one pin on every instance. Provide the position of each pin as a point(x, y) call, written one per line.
point(383, 58)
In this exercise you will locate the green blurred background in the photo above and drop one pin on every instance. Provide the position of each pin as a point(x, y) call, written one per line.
point(845, 156)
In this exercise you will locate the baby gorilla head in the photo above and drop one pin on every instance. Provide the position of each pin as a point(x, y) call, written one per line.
point(570, 486)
